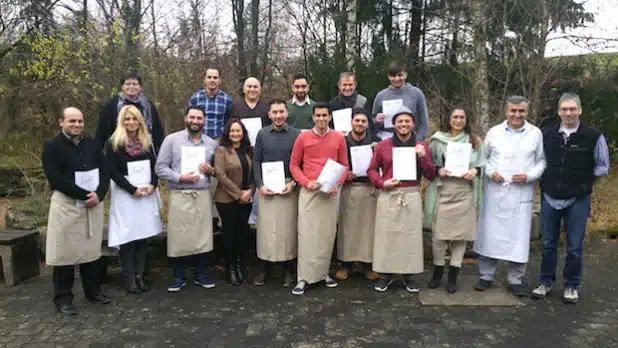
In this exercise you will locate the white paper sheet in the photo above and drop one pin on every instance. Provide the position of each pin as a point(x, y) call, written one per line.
point(511, 163)
point(361, 157)
point(404, 163)
point(273, 176)
point(342, 119)
point(190, 159)
point(458, 158)
point(87, 180)
point(330, 174)
point(390, 108)
point(253, 126)
point(139, 173)
point(384, 135)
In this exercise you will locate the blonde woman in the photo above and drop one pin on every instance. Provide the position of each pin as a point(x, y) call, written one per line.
point(134, 210)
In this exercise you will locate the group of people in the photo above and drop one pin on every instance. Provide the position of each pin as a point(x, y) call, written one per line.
point(373, 209)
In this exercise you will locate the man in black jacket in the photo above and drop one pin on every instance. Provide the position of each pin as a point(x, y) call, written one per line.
point(349, 98)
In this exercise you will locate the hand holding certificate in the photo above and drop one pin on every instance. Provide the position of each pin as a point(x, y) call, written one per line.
point(190, 159)
point(511, 163)
point(139, 174)
point(273, 176)
point(404, 163)
point(342, 119)
point(253, 126)
point(330, 174)
point(87, 180)
point(361, 157)
point(457, 158)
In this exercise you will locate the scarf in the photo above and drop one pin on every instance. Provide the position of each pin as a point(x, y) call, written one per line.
point(437, 147)
point(141, 102)
point(348, 102)
point(400, 143)
point(134, 149)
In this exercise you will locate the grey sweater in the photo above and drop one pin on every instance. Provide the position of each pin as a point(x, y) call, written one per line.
point(413, 98)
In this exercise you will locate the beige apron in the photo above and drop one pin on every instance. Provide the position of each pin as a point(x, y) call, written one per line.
point(356, 222)
point(189, 226)
point(455, 217)
point(74, 235)
point(398, 239)
point(277, 237)
point(317, 228)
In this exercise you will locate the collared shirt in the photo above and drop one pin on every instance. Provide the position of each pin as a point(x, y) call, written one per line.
point(318, 134)
point(217, 110)
point(273, 145)
point(168, 162)
point(306, 101)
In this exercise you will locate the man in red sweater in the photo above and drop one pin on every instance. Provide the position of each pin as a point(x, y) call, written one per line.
point(317, 211)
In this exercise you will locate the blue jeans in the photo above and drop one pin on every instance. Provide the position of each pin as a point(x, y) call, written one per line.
point(179, 264)
point(575, 217)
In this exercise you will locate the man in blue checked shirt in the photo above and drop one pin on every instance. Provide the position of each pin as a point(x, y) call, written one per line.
point(215, 102)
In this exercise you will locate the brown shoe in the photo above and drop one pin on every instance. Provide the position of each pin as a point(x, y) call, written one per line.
point(371, 275)
point(342, 274)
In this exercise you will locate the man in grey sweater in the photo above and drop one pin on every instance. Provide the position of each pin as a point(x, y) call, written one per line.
point(400, 92)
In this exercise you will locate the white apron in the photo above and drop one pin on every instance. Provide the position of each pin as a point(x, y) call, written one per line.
point(277, 229)
point(357, 222)
point(398, 239)
point(74, 235)
point(132, 218)
point(189, 222)
point(505, 222)
point(317, 228)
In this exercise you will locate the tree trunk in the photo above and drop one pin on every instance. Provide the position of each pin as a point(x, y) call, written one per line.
point(480, 88)
point(352, 51)
point(416, 27)
point(255, 46)
point(239, 29)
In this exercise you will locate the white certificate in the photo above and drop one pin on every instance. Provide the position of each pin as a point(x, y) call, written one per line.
point(511, 163)
point(139, 173)
point(190, 159)
point(384, 135)
point(390, 108)
point(458, 158)
point(342, 119)
point(361, 157)
point(88, 180)
point(273, 176)
point(404, 163)
point(330, 174)
point(253, 126)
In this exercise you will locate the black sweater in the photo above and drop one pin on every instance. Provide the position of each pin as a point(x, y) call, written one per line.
point(117, 164)
point(62, 158)
point(109, 116)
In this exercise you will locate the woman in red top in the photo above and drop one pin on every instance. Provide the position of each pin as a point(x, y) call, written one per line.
point(398, 239)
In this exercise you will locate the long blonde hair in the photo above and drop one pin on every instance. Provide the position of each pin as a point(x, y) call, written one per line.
point(120, 136)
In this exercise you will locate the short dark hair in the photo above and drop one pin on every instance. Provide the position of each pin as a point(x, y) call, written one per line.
point(321, 105)
point(245, 143)
point(210, 68)
point(360, 111)
point(195, 107)
point(300, 76)
point(277, 101)
point(131, 75)
point(395, 67)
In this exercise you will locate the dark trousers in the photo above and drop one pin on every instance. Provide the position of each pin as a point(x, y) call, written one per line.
point(350, 264)
point(180, 264)
point(575, 217)
point(64, 277)
point(133, 258)
point(288, 266)
point(235, 222)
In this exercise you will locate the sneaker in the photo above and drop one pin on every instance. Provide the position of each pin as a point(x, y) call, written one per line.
point(260, 279)
point(204, 281)
point(570, 296)
point(176, 285)
point(383, 283)
point(411, 284)
point(341, 274)
point(483, 285)
point(518, 290)
point(330, 282)
point(541, 291)
point(300, 287)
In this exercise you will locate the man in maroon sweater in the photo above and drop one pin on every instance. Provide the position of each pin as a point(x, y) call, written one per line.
point(317, 211)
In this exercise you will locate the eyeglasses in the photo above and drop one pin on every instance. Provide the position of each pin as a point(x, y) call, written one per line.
point(572, 109)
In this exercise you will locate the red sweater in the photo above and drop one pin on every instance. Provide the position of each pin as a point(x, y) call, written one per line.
point(311, 151)
point(383, 158)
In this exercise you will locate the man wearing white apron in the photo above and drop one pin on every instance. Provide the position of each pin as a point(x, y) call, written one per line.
point(75, 169)
point(278, 212)
point(515, 160)
point(317, 210)
point(184, 161)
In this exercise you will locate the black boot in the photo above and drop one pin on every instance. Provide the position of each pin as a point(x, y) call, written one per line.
point(436, 279)
point(141, 283)
point(240, 270)
point(451, 285)
point(232, 275)
point(264, 274)
point(132, 286)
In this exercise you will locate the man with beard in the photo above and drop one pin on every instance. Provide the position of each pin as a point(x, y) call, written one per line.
point(278, 212)
point(75, 223)
point(348, 98)
point(300, 106)
point(358, 206)
point(189, 228)
point(214, 102)
point(251, 105)
point(317, 211)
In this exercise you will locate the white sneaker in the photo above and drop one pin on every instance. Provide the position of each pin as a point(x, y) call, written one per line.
point(299, 289)
point(330, 282)
point(541, 291)
point(570, 296)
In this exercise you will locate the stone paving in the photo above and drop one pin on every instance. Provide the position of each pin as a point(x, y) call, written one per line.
point(352, 315)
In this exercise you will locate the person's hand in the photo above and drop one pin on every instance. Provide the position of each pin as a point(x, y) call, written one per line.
point(497, 177)
point(390, 183)
point(350, 176)
point(420, 150)
point(289, 187)
point(138, 193)
point(520, 178)
point(147, 190)
point(374, 144)
point(380, 117)
point(471, 174)
point(93, 199)
point(313, 185)
point(206, 169)
point(443, 172)
point(190, 178)
point(334, 190)
point(265, 191)
point(246, 196)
